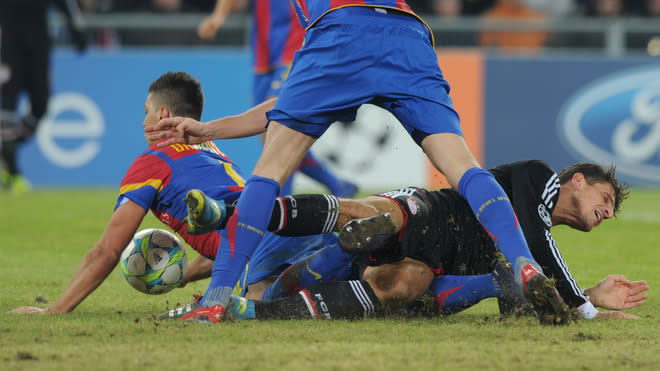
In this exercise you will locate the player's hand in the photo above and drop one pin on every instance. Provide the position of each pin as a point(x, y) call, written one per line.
point(173, 130)
point(617, 293)
point(209, 27)
point(31, 310)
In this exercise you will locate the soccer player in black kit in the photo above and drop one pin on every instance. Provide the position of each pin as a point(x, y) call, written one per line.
point(25, 50)
point(412, 240)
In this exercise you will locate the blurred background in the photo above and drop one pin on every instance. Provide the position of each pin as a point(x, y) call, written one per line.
point(557, 80)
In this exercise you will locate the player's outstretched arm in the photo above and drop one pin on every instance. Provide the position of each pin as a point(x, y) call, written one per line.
point(97, 264)
point(188, 131)
point(615, 292)
point(211, 24)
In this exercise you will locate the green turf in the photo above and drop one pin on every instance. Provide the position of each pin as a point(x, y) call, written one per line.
point(45, 234)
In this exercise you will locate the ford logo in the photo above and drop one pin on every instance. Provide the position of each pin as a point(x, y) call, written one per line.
point(616, 120)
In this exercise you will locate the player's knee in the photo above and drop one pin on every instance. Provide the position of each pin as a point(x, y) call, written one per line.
point(399, 283)
point(417, 278)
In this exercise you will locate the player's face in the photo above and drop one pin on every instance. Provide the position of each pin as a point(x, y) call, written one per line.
point(595, 203)
point(152, 116)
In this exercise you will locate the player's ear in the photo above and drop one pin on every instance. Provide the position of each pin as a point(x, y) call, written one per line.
point(578, 180)
point(164, 113)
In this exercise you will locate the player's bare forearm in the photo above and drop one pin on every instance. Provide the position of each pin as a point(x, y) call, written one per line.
point(246, 124)
point(99, 262)
point(255, 119)
point(198, 269)
point(188, 131)
point(241, 126)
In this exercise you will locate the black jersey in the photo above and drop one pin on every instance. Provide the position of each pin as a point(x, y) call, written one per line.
point(440, 228)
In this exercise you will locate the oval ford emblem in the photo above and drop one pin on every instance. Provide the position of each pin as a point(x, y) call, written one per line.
point(616, 120)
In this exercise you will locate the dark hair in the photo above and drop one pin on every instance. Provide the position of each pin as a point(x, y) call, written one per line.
point(180, 93)
point(594, 173)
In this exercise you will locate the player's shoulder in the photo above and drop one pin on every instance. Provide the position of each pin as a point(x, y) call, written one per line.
point(536, 167)
point(532, 168)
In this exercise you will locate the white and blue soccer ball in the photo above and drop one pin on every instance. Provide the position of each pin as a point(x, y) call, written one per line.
point(154, 262)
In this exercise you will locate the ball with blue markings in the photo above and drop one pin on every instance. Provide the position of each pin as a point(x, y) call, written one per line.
point(154, 262)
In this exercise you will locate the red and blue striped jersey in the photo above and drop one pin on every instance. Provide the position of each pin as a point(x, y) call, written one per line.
point(159, 179)
point(310, 11)
point(276, 35)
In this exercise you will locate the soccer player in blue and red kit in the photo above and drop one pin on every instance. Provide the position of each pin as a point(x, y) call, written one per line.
point(275, 36)
point(158, 180)
point(356, 52)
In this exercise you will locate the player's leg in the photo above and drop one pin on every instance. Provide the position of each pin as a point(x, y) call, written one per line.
point(400, 282)
point(287, 187)
point(493, 210)
point(38, 86)
point(449, 153)
point(319, 90)
point(453, 294)
point(297, 215)
point(312, 214)
point(490, 204)
point(283, 150)
point(425, 110)
point(435, 127)
point(383, 288)
point(268, 85)
point(456, 293)
point(10, 54)
point(326, 300)
point(327, 264)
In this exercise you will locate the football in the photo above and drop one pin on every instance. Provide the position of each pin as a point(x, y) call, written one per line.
point(154, 262)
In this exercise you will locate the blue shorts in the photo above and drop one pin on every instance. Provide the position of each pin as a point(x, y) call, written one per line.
point(268, 85)
point(275, 253)
point(355, 55)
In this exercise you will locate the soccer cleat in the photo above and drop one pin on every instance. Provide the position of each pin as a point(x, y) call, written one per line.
point(18, 185)
point(544, 297)
point(240, 308)
point(368, 234)
point(204, 213)
point(194, 312)
point(512, 298)
point(5, 178)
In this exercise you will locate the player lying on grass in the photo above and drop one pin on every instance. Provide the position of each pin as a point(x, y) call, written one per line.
point(433, 234)
point(158, 180)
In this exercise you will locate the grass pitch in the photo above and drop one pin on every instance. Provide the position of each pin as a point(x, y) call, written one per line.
point(45, 234)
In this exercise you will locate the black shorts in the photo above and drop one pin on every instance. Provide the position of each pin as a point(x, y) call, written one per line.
point(439, 230)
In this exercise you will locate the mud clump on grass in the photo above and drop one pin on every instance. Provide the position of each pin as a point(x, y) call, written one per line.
point(26, 356)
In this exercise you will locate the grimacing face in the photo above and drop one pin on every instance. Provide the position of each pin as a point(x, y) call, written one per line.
point(595, 203)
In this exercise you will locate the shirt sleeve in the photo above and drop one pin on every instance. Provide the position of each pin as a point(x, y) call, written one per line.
point(144, 179)
point(535, 187)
